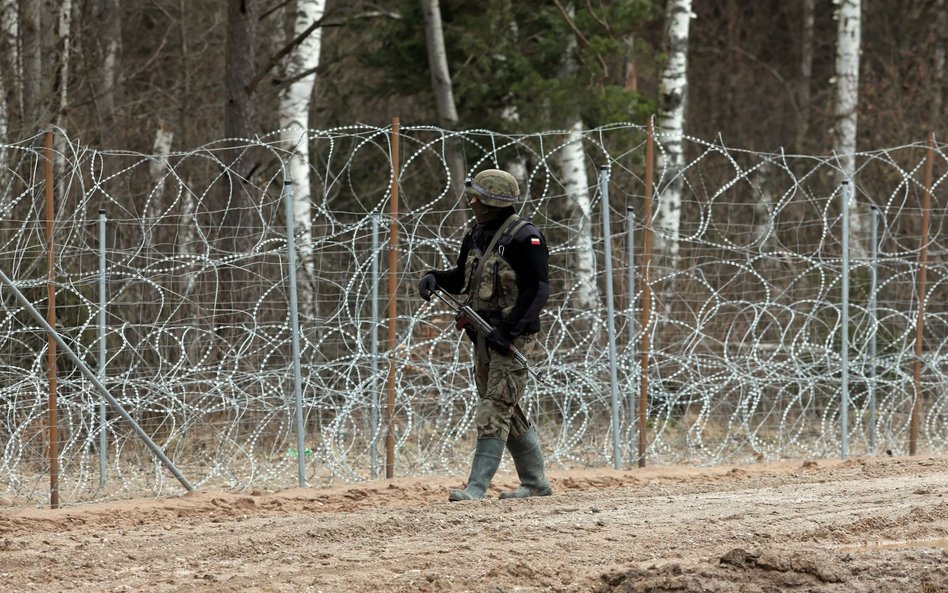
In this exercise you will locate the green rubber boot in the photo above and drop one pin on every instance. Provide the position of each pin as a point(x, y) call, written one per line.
point(487, 456)
point(528, 459)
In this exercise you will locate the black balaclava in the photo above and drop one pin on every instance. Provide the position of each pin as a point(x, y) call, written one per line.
point(484, 213)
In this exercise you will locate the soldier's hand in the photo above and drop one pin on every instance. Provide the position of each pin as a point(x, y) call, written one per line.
point(498, 340)
point(427, 285)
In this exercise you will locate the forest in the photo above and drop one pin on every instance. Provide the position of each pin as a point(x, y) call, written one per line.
point(761, 75)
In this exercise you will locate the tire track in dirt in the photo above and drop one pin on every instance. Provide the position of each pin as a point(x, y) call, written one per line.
point(768, 527)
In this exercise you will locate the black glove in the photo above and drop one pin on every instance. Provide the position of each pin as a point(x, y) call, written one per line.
point(427, 285)
point(498, 340)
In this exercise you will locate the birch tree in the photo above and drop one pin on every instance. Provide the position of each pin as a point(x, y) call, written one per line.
point(671, 120)
point(443, 91)
point(848, 45)
point(571, 161)
point(108, 20)
point(295, 100)
point(848, 42)
point(577, 203)
point(60, 59)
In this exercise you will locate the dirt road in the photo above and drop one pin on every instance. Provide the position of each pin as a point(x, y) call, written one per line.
point(862, 525)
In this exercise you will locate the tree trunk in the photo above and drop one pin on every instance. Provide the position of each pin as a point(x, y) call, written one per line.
point(158, 168)
point(937, 120)
point(847, 84)
point(578, 208)
point(671, 120)
point(237, 233)
point(108, 19)
point(848, 42)
point(444, 96)
point(35, 113)
point(806, 74)
point(63, 44)
point(577, 204)
point(10, 89)
point(239, 113)
point(295, 102)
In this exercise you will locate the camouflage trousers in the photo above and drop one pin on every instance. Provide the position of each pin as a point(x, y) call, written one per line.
point(500, 384)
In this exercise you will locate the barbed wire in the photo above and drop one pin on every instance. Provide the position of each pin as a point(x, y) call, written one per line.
point(744, 328)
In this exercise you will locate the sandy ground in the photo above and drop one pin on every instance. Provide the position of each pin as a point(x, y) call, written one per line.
point(861, 525)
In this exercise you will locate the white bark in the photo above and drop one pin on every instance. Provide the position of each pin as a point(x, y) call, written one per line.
point(295, 102)
point(671, 121)
point(109, 21)
point(63, 30)
point(572, 166)
point(577, 205)
point(158, 171)
point(847, 83)
point(848, 46)
point(158, 167)
point(438, 64)
point(442, 88)
point(517, 165)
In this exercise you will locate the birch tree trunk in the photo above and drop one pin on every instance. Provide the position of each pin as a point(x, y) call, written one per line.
point(848, 42)
point(158, 171)
point(578, 207)
point(444, 101)
point(577, 204)
point(295, 102)
point(108, 18)
point(61, 84)
point(847, 84)
point(671, 121)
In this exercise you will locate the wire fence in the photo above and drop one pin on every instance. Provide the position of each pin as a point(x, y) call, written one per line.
point(744, 357)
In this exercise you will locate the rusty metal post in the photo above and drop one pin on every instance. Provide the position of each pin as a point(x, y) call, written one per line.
point(920, 324)
point(392, 309)
point(646, 288)
point(51, 319)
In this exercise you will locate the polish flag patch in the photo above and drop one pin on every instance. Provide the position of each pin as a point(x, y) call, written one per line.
point(534, 240)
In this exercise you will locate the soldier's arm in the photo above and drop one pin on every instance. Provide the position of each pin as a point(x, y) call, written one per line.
point(452, 280)
point(529, 257)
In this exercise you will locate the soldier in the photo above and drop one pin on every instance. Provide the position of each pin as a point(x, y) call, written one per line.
point(502, 271)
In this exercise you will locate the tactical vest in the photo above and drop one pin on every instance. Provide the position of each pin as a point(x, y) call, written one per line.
point(490, 281)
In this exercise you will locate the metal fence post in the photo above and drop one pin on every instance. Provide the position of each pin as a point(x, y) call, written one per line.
point(630, 316)
point(90, 376)
point(874, 320)
point(103, 437)
point(844, 322)
point(374, 392)
point(610, 318)
point(294, 331)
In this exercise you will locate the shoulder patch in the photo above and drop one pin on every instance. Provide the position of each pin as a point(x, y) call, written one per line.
point(534, 240)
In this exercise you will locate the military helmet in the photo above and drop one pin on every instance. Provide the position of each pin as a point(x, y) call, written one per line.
point(494, 187)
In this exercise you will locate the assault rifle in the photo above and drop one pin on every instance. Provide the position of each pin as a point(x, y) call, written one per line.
point(468, 316)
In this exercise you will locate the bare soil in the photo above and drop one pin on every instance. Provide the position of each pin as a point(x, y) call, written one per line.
point(862, 525)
